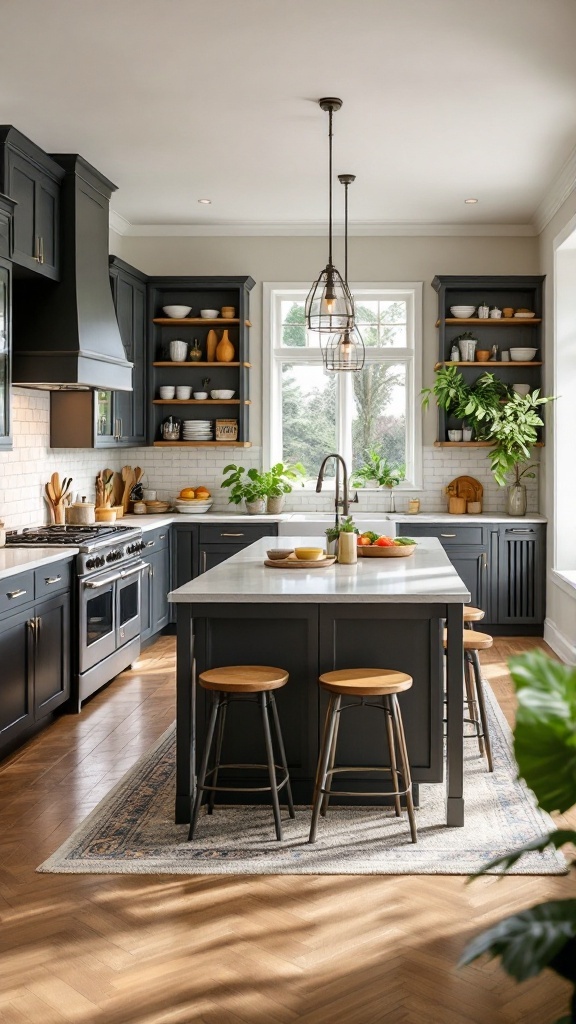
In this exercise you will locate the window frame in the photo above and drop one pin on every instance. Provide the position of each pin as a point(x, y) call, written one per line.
point(411, 356)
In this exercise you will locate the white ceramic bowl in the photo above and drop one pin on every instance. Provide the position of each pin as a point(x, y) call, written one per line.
point(522, 355)
point(210, 314)
point(192, 508)
point(521, 389)
point(222, 394)
point(177, 312)
point(462, 312)
point(167, 391)
point(200, 395)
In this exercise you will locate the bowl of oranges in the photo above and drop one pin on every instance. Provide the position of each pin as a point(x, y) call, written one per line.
point(193, 500)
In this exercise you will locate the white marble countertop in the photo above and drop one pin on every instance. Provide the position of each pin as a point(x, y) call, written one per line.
point(14, 560)
point(425, 576)
point(150, 522)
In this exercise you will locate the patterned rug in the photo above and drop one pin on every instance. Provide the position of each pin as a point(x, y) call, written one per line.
point(132, 830)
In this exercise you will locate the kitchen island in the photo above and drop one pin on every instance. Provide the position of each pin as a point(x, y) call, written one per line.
point(381, 612)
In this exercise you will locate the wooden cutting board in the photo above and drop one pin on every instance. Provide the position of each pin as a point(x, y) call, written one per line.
point(300, 563)
point(466, 487)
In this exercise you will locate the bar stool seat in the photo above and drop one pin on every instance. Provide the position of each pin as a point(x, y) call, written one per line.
point(475, 641)
point(238, 682)
point(364, 683)
point(472, 614)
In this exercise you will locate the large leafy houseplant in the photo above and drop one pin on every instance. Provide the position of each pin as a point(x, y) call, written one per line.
point(514, 429)
point(377, 469)
point(245, 485)
point(545, 749)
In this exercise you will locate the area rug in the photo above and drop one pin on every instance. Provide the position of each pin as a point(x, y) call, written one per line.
point(132, 830)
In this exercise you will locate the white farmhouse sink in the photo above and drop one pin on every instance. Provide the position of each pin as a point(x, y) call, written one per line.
point(313, 524)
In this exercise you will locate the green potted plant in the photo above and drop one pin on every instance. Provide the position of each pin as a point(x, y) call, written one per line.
point(543, 936)
point(514, 430)
point(278, 481)
point(377, 471)
point(246, 485)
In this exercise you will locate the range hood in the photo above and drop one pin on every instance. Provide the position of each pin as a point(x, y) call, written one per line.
point(66, 334)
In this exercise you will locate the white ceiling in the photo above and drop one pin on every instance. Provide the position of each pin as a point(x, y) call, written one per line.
point(176, 100)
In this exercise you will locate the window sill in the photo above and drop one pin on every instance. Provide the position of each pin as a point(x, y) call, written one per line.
point(565, 579)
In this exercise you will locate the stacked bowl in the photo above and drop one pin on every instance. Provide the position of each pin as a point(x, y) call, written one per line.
point(462, 312)
point(192, 506)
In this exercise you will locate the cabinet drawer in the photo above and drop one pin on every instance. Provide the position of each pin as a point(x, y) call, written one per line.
point(447, 534)
point(16, 591)
point(52, 579)
point(156, 540)
point(236, 533)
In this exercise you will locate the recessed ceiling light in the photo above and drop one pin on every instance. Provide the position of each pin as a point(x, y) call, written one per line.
point(470, 202)
point(206, 202)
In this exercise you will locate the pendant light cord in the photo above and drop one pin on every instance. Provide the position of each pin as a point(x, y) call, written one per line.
point(346, 232)
point(330, 113)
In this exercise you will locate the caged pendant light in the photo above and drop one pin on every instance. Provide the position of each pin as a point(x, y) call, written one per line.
point(345, 349)
point(329, 305)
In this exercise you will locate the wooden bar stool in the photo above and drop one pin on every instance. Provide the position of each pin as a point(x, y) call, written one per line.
point(363, 683)
point(475, 641)
point(472, 615)
point(228, 684)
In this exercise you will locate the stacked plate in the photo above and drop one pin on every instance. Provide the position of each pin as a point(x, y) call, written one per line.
point(197, 430)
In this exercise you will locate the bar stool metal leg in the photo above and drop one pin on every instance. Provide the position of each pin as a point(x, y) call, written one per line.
point(482, 708)
point(405, 765)
point(331, 763)
point(282, 753)
point(264, 704)
point(204, 765)
point(392, 751)
point(332, 717)
point(220, 722)
point(472, 699)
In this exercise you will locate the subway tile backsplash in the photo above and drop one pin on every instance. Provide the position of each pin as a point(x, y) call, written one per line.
point(25, 470)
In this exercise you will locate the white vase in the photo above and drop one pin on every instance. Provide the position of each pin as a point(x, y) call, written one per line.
point(517, 502)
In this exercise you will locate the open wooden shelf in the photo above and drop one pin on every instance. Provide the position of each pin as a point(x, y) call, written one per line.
point(202, 444)
point(493, 321)
point(490, 362)
point(198, 320)
point(199, 401)
point(191, 363)
point(473, 444)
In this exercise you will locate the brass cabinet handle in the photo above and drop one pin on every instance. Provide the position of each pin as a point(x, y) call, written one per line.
point(484, 560)
point(15, 593)
point(231, 534)
point(204, 561)
point(162, 536)
point(36, 255)
point(41, 250)
point(49, 580)
point(447, 534)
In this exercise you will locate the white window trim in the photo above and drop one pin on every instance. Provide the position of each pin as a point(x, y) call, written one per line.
point(270, 378)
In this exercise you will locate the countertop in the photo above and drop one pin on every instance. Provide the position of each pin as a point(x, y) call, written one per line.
point(15, 560)
point(425, 576)
point(150, 522)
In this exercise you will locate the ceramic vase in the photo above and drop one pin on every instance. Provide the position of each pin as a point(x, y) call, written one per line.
point(517, 501)
point(195, 352)
point(275, 504)
point(347, 548)
point(211, 346)
point(256, 508)
point(225, 349)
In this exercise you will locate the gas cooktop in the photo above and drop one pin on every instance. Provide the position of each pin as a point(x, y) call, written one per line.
point(74, 535)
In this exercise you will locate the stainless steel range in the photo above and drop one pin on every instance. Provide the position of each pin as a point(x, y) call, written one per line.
point(106, 599)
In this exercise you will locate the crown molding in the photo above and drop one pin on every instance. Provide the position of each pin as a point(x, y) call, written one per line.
point(562, 186)
point(122, 226)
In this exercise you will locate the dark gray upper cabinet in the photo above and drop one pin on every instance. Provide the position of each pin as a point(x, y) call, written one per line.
point(6, 211)
point(33, 180)
point(129, 294)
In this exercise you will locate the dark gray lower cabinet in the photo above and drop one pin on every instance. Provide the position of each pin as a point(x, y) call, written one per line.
point(216, 543)
point(155, 609)
point(502, 565)
point(35, 656)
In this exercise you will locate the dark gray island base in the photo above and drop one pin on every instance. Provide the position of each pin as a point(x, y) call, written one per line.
point(380, 613)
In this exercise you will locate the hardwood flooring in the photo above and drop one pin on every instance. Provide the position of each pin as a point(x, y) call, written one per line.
point(93, 949)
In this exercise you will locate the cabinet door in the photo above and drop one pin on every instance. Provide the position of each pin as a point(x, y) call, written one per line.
point(472, 566)
point(51, 655)
point(520, 585)
point(48, 225)
point(160, 563)
point(213, 554)
point(22, 188)
point(129, 295)
point(5, 354)
point(16, 679)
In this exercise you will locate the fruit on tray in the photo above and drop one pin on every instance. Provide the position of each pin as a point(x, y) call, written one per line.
point(191, 493)
point(370, 537)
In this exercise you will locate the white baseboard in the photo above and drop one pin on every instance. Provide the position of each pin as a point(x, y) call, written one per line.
point(559, 643)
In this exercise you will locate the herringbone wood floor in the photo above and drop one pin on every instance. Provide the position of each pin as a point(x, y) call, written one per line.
point(230, 950)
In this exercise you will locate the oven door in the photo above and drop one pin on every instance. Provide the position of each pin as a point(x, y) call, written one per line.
point(128, 604)
point(97, 609)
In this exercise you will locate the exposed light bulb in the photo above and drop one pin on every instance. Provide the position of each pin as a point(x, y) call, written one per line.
point(346, 349)
point(329, 304)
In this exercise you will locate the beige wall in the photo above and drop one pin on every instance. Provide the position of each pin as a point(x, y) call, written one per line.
point(302, 258)
point(561, 605)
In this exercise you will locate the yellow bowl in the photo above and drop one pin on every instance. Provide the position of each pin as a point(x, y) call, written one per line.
point(309, 554)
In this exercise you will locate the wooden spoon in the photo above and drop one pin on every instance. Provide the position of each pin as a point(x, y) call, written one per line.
point(128, 478)
point(138, 474)
point(49, 488)
point(56, 486)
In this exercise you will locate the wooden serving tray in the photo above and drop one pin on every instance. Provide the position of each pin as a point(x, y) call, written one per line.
point(300, 563)
point(392, 551)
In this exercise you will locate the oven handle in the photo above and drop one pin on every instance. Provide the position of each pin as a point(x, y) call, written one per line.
point(96, 584)
point(130, 572)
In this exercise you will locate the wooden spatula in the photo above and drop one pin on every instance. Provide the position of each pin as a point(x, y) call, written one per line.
point(128, 478)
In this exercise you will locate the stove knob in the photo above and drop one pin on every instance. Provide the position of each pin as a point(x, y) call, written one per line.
point(90, 563)
point(110, 557)
point(99, 562)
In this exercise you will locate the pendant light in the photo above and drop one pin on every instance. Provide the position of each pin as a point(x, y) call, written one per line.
point(345, 349)
point(329, 305)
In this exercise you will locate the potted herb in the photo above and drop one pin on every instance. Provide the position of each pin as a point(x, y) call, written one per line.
point(543, 936)
point(246, 485)
point(278, 481)
point(377, 471)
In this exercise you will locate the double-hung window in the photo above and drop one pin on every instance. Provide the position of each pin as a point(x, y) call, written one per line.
point(309, 412)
